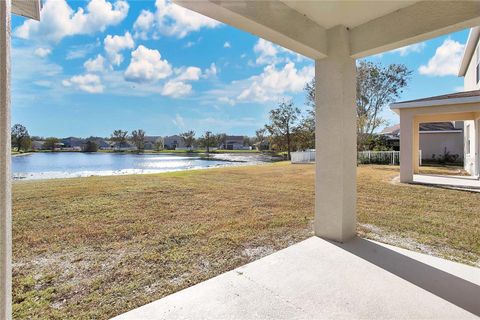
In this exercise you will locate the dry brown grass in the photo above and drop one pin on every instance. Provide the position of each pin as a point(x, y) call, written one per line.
point(96, 247)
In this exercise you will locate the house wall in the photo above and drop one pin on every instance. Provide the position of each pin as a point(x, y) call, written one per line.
point(435, 143)
point(469, 81)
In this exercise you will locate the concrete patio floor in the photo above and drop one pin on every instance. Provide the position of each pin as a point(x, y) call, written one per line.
point(318, 279)
point(467, 183)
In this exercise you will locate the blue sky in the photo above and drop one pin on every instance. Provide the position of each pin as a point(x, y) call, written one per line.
point(90, 67)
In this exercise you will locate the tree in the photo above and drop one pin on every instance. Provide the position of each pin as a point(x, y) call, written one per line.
point(377, 86)
point(50, 143)
point(119, 137)
point(90, 146)
point(207, 141)
point(159, 144)
point(138, 139)
point(260, 137)
point(189, 138)
point(282, 121)
point(20, 137)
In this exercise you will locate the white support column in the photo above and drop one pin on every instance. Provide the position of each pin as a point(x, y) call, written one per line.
point(406, 147)
point(336, 140)
point(5, 159)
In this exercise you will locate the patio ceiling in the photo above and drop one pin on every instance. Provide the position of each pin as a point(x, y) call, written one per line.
point(27, 8)
point(374, 26)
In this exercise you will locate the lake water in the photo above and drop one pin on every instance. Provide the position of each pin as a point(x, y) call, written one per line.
point(77, 164)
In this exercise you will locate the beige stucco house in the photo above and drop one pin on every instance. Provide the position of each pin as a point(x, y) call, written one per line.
point(439, 141)
point(461, 106)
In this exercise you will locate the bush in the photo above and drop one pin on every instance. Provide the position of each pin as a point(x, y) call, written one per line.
point(90, 146)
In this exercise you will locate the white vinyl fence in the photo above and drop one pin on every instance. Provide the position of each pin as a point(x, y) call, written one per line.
point(363, 157)
point(303, 156)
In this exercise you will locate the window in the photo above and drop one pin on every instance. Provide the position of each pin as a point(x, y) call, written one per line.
point(467, 139)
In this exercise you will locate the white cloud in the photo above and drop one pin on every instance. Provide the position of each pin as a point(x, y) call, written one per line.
point(115, 44)
point(405, 51)
point(89, 83)
point(176, 89)
point(188, 74)
point(227, 100)
point(179, 121)
point(143, 24)
point(171, 20)
point(81, 51)
point(146, 65)
point(210, 71)
point(42, 52)
point(227, 44)
point(446, 60)
point(273, 82)
point(58, 19)
point(95, 65)
point(267, 51)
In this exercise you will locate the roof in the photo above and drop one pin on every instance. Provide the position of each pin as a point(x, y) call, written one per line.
point(27, 8)
point(392, 129)
point(439, 126)
point(425, 127)
point(445, 99)
point(472, 41)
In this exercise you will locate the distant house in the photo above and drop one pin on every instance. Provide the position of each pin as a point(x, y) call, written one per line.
point(37, 144)
point(234, 143)
point(150, 142)
point(436, 139)
point(173, 142)
point(125, 146)
point(72, 143)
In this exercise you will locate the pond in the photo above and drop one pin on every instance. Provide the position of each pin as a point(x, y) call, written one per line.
point(77, 164)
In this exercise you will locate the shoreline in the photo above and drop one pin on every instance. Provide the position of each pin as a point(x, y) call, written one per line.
point(22, 154)
point(132, 172)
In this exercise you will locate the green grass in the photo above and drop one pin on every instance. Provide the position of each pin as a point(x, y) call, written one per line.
point(92, 248)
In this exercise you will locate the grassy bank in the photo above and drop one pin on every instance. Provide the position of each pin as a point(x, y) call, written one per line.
point(99, 246)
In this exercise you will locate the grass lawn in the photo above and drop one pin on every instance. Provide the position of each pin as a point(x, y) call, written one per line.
point(92, 248)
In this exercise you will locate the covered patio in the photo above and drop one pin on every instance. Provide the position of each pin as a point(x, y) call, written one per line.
point(333, 275)
point(460, 106)
point(320, 279)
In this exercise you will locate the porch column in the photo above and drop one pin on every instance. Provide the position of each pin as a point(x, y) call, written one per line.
point(5, 182)
point(335, 140)
point(406, 147)
point(416, 147)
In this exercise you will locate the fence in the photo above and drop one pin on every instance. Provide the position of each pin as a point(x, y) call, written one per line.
point(303, 156)
point(363, 157)
point(379, 157)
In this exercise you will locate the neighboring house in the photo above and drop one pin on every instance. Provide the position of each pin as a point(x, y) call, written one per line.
point(150, 142)
point(73, 143)
point(437, 139)
point(126, 146)
point(37, 145)
point(454, 107)
point(470, 71)
point(173, 142)
point(234, 143)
